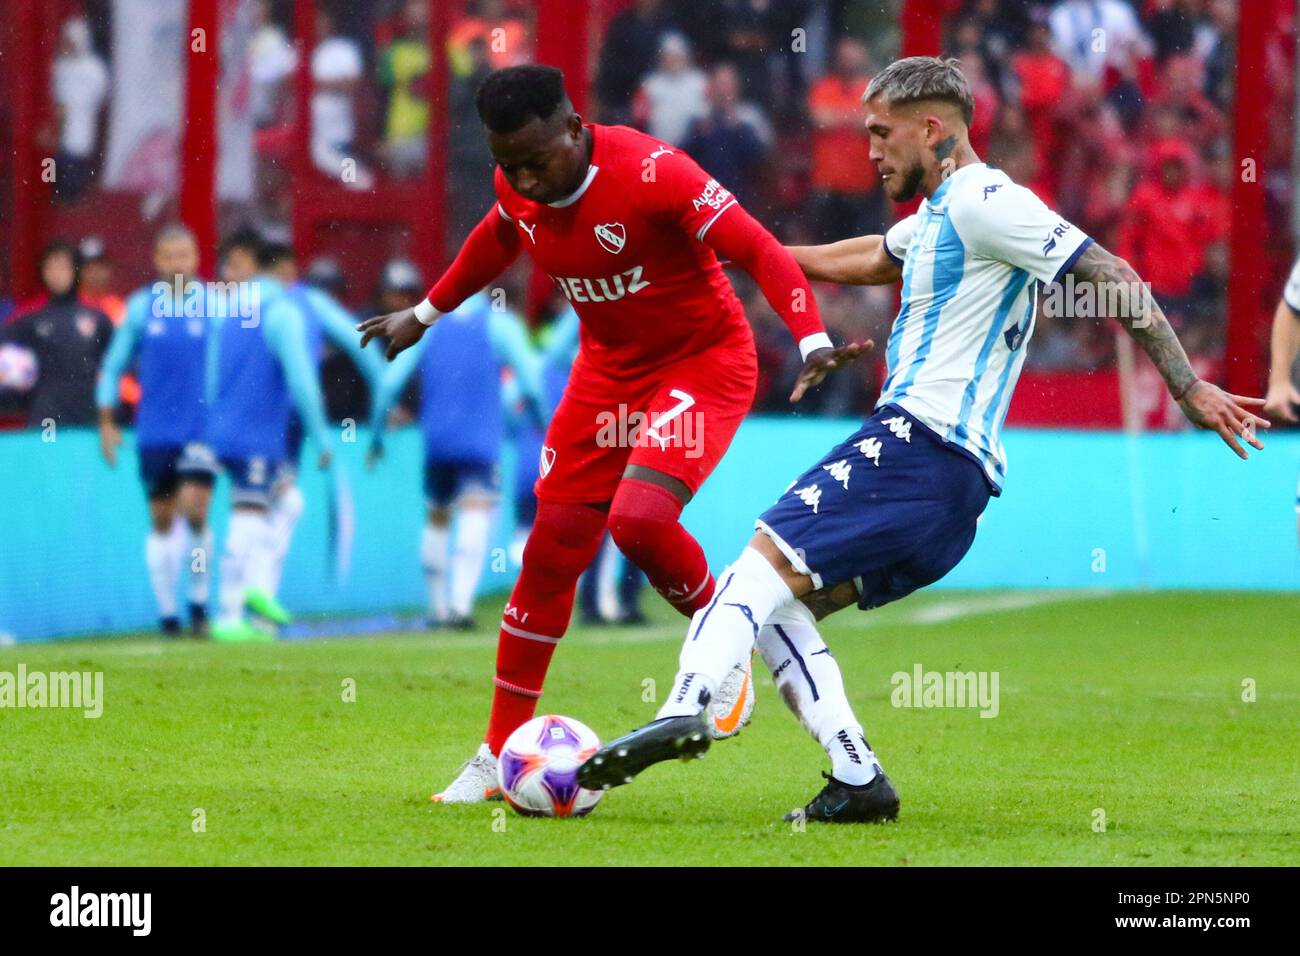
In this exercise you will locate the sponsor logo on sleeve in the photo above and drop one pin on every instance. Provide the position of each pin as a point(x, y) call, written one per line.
point(715, 195)
point(1050, 242)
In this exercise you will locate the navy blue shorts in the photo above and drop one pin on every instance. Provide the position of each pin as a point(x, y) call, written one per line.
point(892, 508)
point(252, 480)
point(164, 467)
point(445, 481)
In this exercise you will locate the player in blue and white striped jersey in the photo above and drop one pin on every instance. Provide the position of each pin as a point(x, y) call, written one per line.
point(1283, 400)
point(894, 507)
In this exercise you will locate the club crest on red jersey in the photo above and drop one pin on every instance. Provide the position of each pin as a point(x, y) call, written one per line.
point(547, 461)
point(611, 236)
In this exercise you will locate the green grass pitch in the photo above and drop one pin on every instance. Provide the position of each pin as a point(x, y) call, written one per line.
point(1127, 705)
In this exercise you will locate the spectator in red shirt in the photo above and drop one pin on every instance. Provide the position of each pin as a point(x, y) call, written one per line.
point(846, 197)
point(1167, 227)
point(1043, 78)
point(1180, 91)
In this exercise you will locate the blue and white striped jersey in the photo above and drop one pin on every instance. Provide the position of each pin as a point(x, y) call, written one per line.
point(973, 258)
point(1291, 291)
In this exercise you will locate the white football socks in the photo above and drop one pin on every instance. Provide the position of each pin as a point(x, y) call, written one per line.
point(723, 632)
point(198, 557)
point(286, 512)
point(163, 559)
point(247, 540)
point(809, 681)
point(473, 525)
point(433, 560)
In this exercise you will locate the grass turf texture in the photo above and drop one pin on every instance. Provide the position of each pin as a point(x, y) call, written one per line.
point(1131, 704)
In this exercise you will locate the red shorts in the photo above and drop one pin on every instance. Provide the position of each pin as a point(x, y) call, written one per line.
point(680, 422)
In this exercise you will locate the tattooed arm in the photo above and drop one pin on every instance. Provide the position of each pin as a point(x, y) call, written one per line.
point(1204, 404)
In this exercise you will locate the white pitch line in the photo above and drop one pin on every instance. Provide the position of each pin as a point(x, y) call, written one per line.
point(955, 609)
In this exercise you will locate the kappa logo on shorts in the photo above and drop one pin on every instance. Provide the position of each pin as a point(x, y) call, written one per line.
point(871, 448)
point(900, 426)
point(811, 496)
point(547, 461)
point(840, 471)
point(611, 236)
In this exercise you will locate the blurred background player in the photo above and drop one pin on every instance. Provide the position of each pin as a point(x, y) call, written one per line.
point(1283, 400)
point(327, 323)
point(261, 370)
point(166, 339)
point(461, 362)
point(67, 339)
point(664, 337)
point(96, 274)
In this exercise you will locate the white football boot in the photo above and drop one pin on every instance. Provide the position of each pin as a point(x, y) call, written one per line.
point(476, 782)
point(733, 705)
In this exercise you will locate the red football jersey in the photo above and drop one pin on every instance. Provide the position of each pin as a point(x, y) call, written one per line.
point(626, 250)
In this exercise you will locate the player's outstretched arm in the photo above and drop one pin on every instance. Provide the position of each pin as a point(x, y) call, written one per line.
point(861, 260)
point(1205, 405)
point(387, 391)
point(513, 350)
point(487, 253)
point(121, 350)
point(339, 326)
point(740, 238)
point(1283, 400)
point(285, 331)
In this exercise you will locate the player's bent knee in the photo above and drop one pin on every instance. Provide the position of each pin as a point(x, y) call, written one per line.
point(563, 542)
point(830, 599)
point(631, 533)
point(641, 513)
point(799, 583)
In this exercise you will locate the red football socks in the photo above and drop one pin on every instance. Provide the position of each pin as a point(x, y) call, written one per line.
point(563, 542)
point(643, 521)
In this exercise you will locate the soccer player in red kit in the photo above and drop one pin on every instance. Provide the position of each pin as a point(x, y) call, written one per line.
point(631, 231)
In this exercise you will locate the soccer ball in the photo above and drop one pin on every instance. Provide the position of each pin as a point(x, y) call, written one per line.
point(18, 367)
point(538, 767)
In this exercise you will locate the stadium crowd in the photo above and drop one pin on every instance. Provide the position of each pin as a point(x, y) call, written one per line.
point(1116, 112)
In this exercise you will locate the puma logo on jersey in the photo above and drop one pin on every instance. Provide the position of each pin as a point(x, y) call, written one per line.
point(661, 151)
point(610, 289)
point(529, 229)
